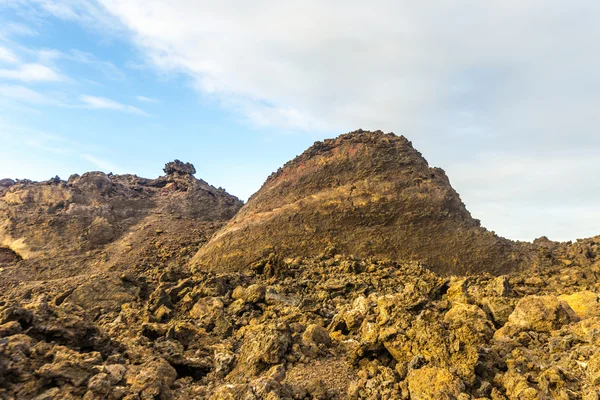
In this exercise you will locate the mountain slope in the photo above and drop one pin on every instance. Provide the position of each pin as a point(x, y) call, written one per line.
point(363, 193)
point(62, 228)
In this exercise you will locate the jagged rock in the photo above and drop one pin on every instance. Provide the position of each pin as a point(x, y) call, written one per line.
point(593, 369)
point(10, 328)
point(8, 256)
point(499, 308)
point(179, 168)
point(151, 379)
point(430, 383)
point(70, 366)
point(470, 330)
point(100, 232)
point(6, 183)
point(251, 294)
point(223, 361)
point(538, 313)
point(207, 310)
point(316, 334)
point(262, 345)
point(585, 304)
point(108, 294)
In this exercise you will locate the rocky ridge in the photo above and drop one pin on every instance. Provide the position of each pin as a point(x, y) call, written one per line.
point(96, 220)
point(134, 317)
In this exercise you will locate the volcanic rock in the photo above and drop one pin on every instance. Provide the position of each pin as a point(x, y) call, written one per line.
point(363, 193)
point(52, 224)
point(179, 168)
point(98, 300)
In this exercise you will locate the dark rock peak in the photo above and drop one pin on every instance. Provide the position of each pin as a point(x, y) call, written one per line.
point(6, 183)
point(351, 139)
point(179, 168)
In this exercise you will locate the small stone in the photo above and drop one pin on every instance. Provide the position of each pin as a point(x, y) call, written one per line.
point(10, 328)
point(429, 383)
point(251, 294)
point(316, 334)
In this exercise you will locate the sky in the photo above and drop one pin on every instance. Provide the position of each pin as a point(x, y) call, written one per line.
point(504, 95)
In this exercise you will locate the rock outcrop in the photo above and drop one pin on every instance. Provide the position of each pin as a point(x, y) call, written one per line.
point(56, 222)
point(367, 194)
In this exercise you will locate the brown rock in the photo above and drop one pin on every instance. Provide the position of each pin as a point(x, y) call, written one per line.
point(585, 304)
point(151, 379)
point(70, 366)
point(263, 345)
point(251, 294)
point(316, 334)
point(364, 193)
point(538, 313)
point(430, 383)
point(108, 294)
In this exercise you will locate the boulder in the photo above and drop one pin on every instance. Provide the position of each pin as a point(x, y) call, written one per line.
point(431, 383)
point(251, 294)
point(539, 314)
point(316, 334)
point(179, 168)
point(151, 379)
point(70, 366)
point(106, 293)
point(585, 304)
point(263, 345)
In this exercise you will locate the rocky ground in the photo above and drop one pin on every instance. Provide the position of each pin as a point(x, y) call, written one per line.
point(133, 317)
point(329, 327)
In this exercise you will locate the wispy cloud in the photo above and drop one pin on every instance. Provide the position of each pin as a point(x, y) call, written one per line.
point(38, 98)
point(59, 145)
point(31, 73)
point(7, 56)
point(108, 69)
point(26, 95)
point(145, 99)
point(101, 163)
point(11, 29)
point(103, 103)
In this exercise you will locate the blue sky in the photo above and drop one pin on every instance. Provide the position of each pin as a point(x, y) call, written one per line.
point(96, 105)
point(503, 95)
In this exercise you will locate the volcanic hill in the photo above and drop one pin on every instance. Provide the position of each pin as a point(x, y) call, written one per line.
point(355, 272)
point(366, 194)
point(61, 228)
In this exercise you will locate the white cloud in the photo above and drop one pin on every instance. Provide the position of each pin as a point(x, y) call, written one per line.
point(26, 95)
point(7, 56)
point(31, 73)
point(11, 29)
point(145, 99)
point(527, 196)
point(101, 163)
point(102, 103)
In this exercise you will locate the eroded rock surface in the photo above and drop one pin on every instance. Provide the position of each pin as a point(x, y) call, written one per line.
point(367, 194)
